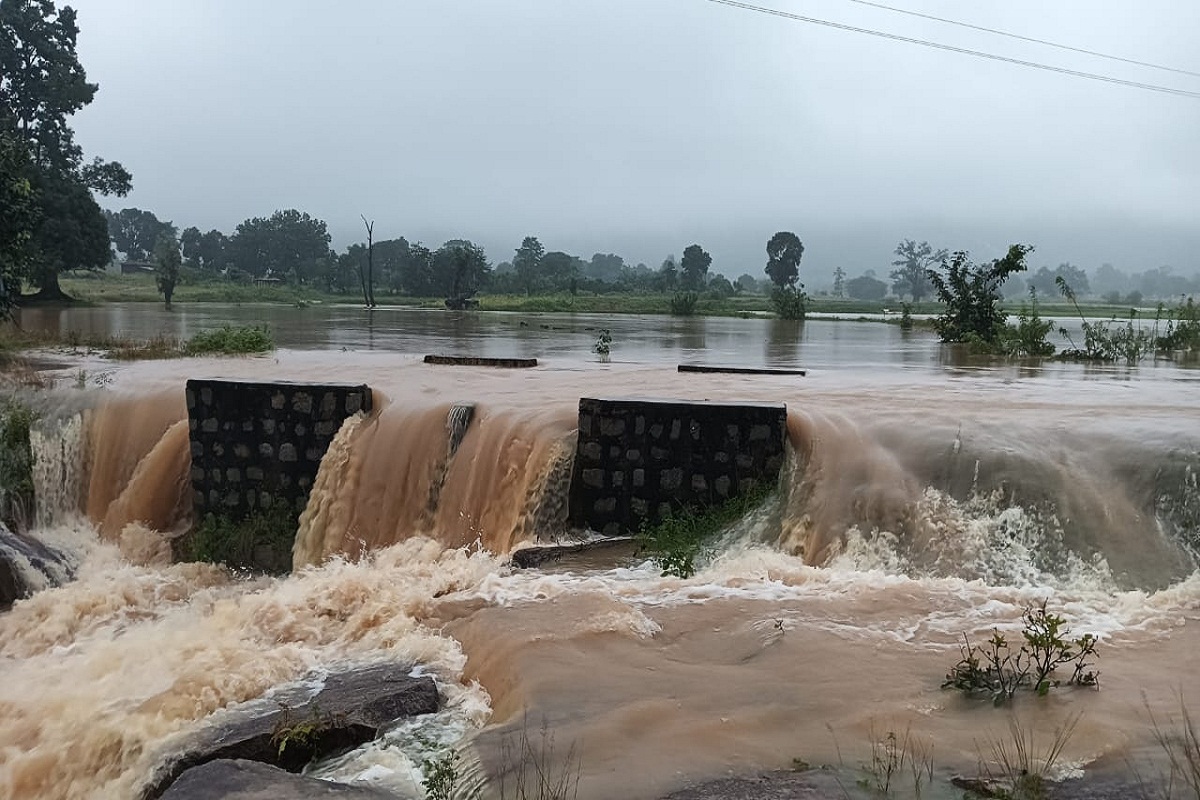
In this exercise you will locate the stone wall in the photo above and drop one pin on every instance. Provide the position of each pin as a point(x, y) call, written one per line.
point(255, 445)
point(637, 460)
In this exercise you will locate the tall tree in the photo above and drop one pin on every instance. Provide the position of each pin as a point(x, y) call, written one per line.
point(839, 282)
point(288, 244)
point(559, 271)
point(912, 264)
point(42, 83)
point(135, 232)
point(784, 251)
point(527, 263)
point(694, 267)
point(460, 269)
point(167, 262)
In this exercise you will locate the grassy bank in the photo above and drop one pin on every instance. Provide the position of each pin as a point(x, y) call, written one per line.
point(96, 288)
point(226, 340)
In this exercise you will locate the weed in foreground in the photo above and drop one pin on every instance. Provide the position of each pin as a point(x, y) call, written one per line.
point(442, 777)
point(1179, 740)
point(892, 758)
point(1019, 768)
point(534, 770)
point(678, 540)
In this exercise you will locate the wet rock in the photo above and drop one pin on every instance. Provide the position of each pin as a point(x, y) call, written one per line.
point(249, 780)
point(809, 785)
point(26, 566)
point(607, 551)
point(297, 726)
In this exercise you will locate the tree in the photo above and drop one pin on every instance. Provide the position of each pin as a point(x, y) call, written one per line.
point(668, 275)
point(839, 282)
point(720, 287)
point(527, 263)
point(288, 244)
point(42, 83)
point(18, 220)
point(746, 283)
point(166, 265)
point(136, 233)
point(460, 268)
point(369, 283)
point(784, 251)
point(606, 267)
point(558, 271)
point(1044, 281)
point(694, 267)
point(866, 287)
point(911, 275)
point(972, 296)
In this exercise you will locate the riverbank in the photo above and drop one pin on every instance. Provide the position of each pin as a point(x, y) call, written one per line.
point(101, 288)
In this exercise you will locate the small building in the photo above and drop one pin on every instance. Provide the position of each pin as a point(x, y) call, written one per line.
point(268, 280)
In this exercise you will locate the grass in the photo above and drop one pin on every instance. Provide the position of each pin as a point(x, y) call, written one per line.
point(262, 542)
point(1018, 769)
point(677, 540)
point(531, 770)
point(1179, 741)
point(226, 340)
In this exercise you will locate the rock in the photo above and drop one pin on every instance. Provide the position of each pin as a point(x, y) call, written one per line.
point(296, 726)
point(816, 784)
point(248, 780)
point(609, 551)
point(27, 565)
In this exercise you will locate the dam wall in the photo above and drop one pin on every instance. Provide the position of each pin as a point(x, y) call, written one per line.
point(637, 461)
point(257, 446)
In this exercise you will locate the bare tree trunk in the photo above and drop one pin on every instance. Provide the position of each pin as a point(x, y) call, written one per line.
point(369, 291)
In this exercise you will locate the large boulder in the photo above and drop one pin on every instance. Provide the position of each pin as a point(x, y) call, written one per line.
point(250, 780)
point(297, 726)
point(27, 565)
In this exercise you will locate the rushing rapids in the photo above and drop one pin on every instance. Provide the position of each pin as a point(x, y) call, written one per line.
point(914, 510)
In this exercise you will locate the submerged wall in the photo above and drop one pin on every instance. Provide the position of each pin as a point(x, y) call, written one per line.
point(637, 460)
point(256, 446)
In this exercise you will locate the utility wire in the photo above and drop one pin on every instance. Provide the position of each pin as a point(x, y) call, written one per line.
point(963, 50)
point(1046, 42)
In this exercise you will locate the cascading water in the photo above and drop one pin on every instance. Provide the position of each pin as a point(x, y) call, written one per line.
point(905, 521)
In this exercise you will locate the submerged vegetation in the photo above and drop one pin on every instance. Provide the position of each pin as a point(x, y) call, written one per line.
point(998, 670)
point(262, 542)
point(677, 540)
point(226, 340)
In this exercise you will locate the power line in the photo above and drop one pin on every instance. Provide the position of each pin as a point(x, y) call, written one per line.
point(963, 50)
point(1046, 42)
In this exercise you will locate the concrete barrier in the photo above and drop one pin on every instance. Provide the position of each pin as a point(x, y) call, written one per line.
point(258, 445)
point(638, 460)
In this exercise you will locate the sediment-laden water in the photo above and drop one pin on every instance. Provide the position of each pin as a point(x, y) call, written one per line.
point(922, 503)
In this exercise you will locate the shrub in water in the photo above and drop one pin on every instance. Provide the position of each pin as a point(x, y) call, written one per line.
point(234, 341)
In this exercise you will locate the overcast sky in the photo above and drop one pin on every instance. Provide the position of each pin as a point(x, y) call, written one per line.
point(641, 126)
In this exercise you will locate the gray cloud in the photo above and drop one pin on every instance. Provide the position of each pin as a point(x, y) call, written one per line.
point(639, 126)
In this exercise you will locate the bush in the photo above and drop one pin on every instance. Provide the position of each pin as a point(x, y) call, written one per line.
point(232, 341)
point(971, 294)
point(1106, 341)
point(1183, 328)
point(677, 540)
point(790, 302)
point(261, 542)
point(997, 671)
point(683, 304)
point(16, 464)
point(1028, 336)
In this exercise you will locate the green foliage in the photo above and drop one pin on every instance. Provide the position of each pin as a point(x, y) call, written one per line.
point(1028, 337)
point(136, 233)
point(241, 544)
point(784, 251)
point(302, 736)
point(1183, 328)
point(19, 218)
point(891, 757)
point(789, 302)
point(442, 778)
point(998, 670)
point(167, 263)
point(42, 83)
point(676, 541)
point(1106, 340)
point(16, 463)
point(1018, 768)
point(683, 304)
point(906, 320)
point(289, 244)
point(693, 267)
point(866, 287)
point(232, 341)
point(914, 261)
point(603, 343)
point(971, 294)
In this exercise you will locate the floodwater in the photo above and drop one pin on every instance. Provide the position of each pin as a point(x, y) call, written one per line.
point(930, 496)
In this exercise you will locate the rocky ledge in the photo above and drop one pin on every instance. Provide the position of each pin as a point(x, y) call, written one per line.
point(296, 727)
point(250, 780)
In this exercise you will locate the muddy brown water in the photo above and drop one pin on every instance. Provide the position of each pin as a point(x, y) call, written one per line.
point(929, 497)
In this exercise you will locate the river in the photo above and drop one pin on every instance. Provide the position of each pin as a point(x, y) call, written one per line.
point(932, 495)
